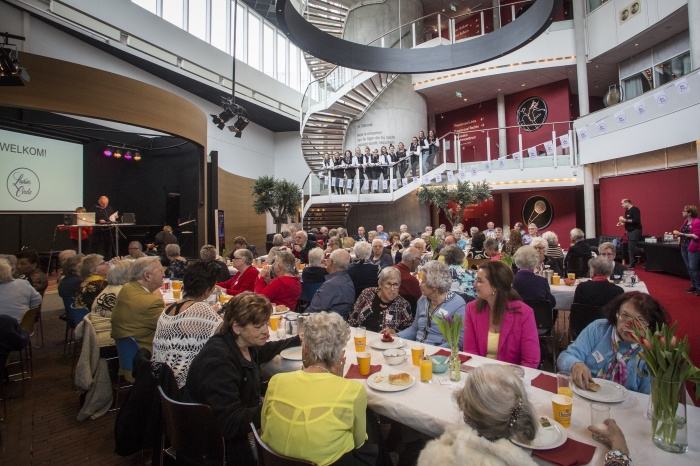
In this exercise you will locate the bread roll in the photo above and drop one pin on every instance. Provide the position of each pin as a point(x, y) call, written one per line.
point(400, 379)
point(594, 387)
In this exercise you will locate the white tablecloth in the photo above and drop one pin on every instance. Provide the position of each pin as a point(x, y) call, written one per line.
point(565, 293)
point(428, 408)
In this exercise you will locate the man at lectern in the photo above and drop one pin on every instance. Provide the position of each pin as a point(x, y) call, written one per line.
point(104, 237)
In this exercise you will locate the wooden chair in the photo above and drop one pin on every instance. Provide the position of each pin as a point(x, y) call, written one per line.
point(474, 264)
point(191, 430)
point(544, 318)
point(267, 457)
point(580, 316)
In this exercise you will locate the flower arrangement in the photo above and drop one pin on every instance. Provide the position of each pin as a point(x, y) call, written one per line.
point(669, 365)
point(451, 328)
point(433, 243)
point(507, 259)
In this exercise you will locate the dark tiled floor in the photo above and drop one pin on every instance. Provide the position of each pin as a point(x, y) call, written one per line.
point(41, 426)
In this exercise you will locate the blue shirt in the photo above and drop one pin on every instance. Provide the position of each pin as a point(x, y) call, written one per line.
point(383, 261)
point(384, 236)
point(462, 244)
point(596, 340)
point(463, 280)
point(337, 294)
point(421, 332)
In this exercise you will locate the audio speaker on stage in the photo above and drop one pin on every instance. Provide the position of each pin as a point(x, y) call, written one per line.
point(172, 210)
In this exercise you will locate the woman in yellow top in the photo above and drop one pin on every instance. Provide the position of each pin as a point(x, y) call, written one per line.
point(315, 414)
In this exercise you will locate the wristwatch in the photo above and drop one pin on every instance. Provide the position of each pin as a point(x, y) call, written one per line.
point(617, 458)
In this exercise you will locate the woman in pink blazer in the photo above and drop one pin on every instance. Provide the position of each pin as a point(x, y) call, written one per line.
point(498, 324)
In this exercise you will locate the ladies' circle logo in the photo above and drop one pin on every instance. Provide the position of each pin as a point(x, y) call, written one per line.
point(538, 210)
point(531, 114)
point(23, 184)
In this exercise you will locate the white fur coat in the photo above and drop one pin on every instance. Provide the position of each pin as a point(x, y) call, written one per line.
point(460, 445)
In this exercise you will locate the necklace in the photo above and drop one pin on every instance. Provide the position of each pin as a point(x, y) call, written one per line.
point(319, 367)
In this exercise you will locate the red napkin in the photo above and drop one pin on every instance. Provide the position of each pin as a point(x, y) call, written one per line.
point(462, 357)
point(466, 368)
point(545, 382)
point(354, 371)
point(572, 453)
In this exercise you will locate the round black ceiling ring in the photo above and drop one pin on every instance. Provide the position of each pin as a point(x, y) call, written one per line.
point(481, 49)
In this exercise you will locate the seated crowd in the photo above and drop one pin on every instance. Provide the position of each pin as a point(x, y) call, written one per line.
point(392, 283)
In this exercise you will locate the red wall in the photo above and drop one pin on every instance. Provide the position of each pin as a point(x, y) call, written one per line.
point(563, 203)
point(485, 115)
point(660, 196)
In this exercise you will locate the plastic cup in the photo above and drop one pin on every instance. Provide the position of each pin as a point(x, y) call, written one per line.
point(176, 294)
point(360, 339)
point(274, 320)
point(281, 331)
point(562, 407)
point(167, 285)
point(564, 384)
point(363, 360)
point(417, 352)
point(599, 413)
point(571, 276)
point(426, 370)
point(555, 279)
point(224, 298)
point(177, 284)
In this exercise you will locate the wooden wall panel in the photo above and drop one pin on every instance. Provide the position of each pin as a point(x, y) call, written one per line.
point(239, 218)
point(60, 86)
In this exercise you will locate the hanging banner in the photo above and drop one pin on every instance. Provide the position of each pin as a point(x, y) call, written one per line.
point(450, 176)
point(438, 178)
point(475, 170)
point(487, 166)
point(501, 162)
point(385, 185)
point(394, 185)
point(365, 185)
point(640, 108)
point(620, 117)
point(516, 157)
point(462, 174)
point(582, 133)
point(333, 182)
point(682, 86)
point(532, 152)
point(404, 181)
point(565, 143)
point(602, 127)
point(661, 98)
point(549, 147)
point(426, 179)
point(375, 185)
point(341, 182)
point(348, 184)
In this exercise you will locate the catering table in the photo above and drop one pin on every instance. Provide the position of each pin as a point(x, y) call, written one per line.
point(429, 407)
point(664, 257)
point(564, 294)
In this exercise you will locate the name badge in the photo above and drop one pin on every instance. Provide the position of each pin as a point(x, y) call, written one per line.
point(442, 313)
point(598, 357)
point(390, 317)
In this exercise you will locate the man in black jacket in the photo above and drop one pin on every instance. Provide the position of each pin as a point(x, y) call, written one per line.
point(632, 220)
point(579, 249)
point(360, 236)
point(302, 246)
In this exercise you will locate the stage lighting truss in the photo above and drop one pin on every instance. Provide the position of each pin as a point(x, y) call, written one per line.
point(231, 110)
point(122, 151)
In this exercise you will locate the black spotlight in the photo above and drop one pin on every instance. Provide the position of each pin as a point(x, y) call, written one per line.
point(222, 118)
point(239, 125)
point(10, 71)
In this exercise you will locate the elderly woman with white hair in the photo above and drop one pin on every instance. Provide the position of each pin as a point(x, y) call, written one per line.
point(495, 409)
point(93, 271)
point(579, 249)
point(16, 295)
point(315, 414)
point(209, 253)
point(462, 279)
point(314, 272)
point(543, 260)
point(178, 264)
point(437, 300)
point(285, 288)
point(363, 273)
point(529, 285)
point(553, 249)
point(101, 311)
point(382, 307)
point(597, 291)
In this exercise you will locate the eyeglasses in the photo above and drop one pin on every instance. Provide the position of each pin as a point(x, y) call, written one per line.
point(626, 318)
point(393, 285)
point(539, 248)
point(607, 254)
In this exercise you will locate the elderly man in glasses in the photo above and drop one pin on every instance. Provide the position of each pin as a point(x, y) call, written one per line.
point(609, 251)
point(302, 246)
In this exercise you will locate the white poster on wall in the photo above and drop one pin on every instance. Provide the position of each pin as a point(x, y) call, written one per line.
point(40, 174)
point(450, 176)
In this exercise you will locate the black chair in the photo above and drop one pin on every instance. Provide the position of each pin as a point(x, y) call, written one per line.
point(413, 302)
point(191, 430)
point(467, 298)
point(580, 316)
point(578, 265)
point(267, 457)
point(544, 318)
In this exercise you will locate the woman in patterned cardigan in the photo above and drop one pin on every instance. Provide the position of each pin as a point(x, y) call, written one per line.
point(382, 307)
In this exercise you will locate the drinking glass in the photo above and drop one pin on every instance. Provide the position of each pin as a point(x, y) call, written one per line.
point(417, 353)
point(599, 413)
point(426, 370)
point(360, 339)
point(363, 360)
point(564, 384)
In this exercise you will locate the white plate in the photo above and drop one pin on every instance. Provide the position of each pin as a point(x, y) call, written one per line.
point(385, 386)
point(275, 313)
point(293, 354)
point(610, 392)
point(546, 439)
point(382, 345)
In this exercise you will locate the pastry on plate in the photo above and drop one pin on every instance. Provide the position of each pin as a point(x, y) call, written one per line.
point(400, 379)
point(593, 387)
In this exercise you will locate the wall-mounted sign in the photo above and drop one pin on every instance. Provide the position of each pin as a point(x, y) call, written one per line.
point(538, 210)
point(531, 114)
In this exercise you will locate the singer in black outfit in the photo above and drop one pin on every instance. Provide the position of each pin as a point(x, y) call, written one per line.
point(349, 172)
point(384, 162)
point(338, 173)
point(415, 151)
point(103, 235)
point(401, 155)
point(433, 149)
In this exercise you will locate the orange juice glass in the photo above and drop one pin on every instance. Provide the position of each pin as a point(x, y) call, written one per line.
point(417, 352)
point(564, 384)
point(571, 276)
point(274, 320)
point(360, 339)
point(177, 284)
point(176, 294)
point(363, 360)
point(426, 370)
point(562, 407)
point(555, 279)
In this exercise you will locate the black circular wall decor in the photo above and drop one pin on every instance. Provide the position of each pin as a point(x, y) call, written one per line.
point(498, 43)
point(532, 114)
point(538, 210)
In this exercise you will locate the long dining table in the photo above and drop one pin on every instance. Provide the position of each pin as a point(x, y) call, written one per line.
point(564, 294)
point(429, 407)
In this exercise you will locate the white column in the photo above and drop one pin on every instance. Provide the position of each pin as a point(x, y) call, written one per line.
point(496, 14)
point(582, 79)
point(694, 32)
point(502, 140)
point(505, 210)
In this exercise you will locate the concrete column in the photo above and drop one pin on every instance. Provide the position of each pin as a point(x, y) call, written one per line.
point(496, 14)
point(694, 32)
point(502, 140)
point(582, 79)
point(505, 210)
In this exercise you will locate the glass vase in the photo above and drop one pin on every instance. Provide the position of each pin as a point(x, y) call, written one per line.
point(669, 415)
point(454, 364)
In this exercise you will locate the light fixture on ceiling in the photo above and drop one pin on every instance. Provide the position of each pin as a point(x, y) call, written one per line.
point(117, 154)
point(11, 74)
